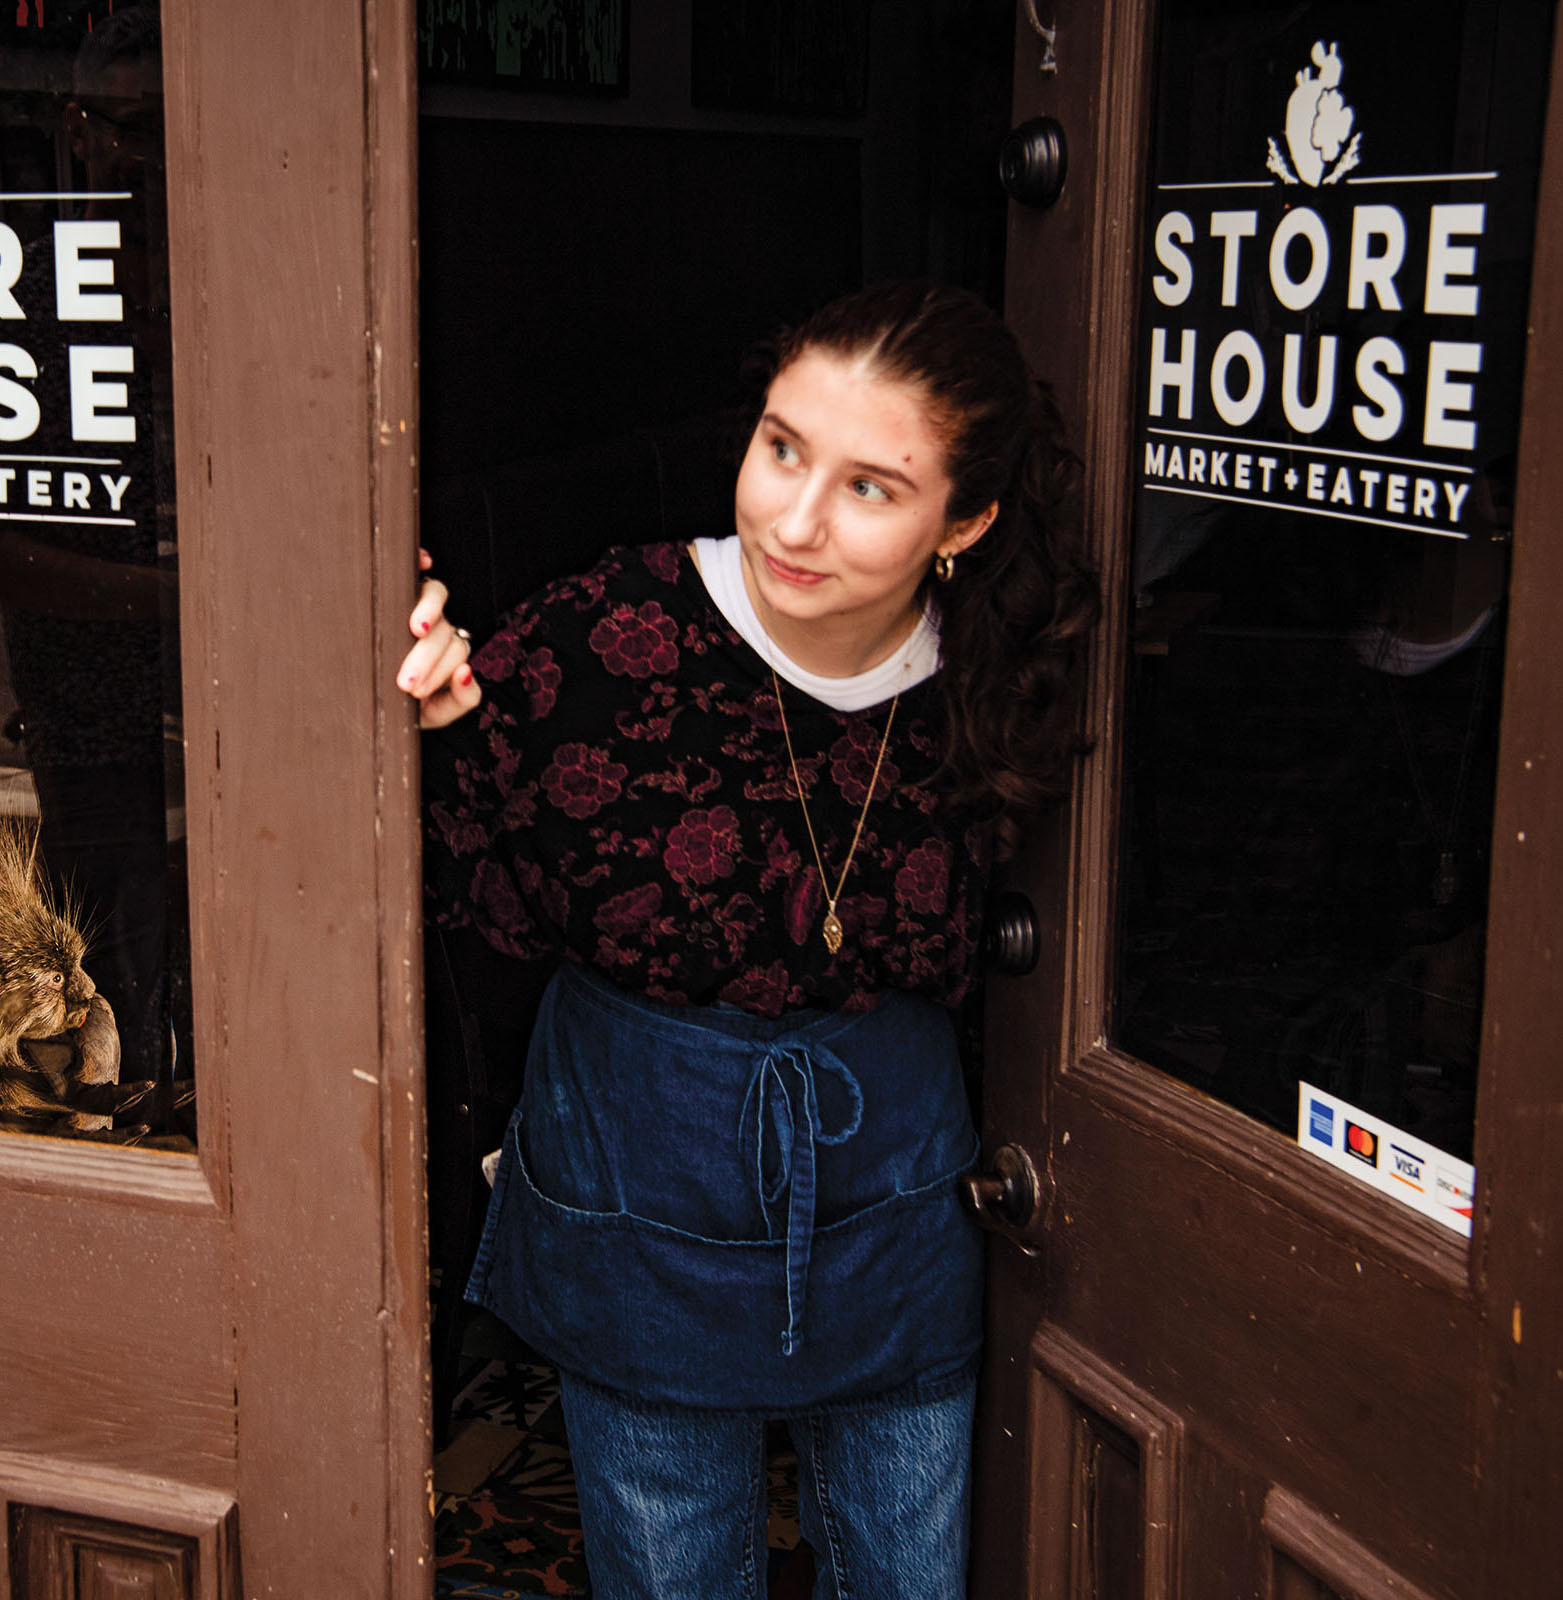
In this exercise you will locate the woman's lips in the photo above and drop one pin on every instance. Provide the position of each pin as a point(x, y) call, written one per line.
point(798, 575)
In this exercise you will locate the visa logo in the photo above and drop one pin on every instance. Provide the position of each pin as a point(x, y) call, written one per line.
point(1407, 1166)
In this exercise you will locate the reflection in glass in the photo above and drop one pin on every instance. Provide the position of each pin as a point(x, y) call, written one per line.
point(91, 782)
point(1312, 776)
point(1337, 263)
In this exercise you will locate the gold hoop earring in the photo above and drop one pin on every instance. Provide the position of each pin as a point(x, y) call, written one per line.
point(944, 567)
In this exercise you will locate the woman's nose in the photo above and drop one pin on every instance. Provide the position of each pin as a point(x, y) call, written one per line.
point(802, 524)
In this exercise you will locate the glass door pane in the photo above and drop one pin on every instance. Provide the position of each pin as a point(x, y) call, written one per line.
point(1337, 265)
point(93, 908)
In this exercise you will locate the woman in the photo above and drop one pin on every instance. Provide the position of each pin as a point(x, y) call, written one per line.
point(749, 789)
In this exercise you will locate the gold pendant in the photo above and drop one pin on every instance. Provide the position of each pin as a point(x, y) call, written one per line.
point(832, 932)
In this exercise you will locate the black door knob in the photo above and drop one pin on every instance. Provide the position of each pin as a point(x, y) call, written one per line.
point(1033, 162)
point(1009, 934)
point(1006, 1196)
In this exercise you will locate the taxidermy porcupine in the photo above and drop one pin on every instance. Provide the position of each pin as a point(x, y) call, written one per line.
point(43, 989)
point(59, 1049)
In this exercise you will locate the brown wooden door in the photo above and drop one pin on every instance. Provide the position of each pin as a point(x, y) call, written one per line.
point(1220, 1367)
point(215, 1362)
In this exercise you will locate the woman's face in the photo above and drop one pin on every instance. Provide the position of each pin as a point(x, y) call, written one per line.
point(840, 510)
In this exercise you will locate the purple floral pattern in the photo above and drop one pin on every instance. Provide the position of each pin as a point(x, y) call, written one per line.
point(853, 758)
point(922, 884)
point(624, 799)
point(581, 780)
point(702, 845)
point(637, 642)
point(540, 677)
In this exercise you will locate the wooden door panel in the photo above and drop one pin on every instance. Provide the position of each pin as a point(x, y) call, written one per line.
point(1311, 1558)
point(247, 1327)
point(1278, 1340)
point(101, 1364)
point(1106, 1462)
point(1226, 1311)
point(95, 1533)
point(58, 1556)
point(1308, 1392)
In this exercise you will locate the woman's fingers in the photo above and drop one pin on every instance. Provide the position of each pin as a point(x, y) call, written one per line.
point(429, 612)
point(428, 666)
point(453, 691)
point(435, 671)
point(461, 695)
point(418, 673)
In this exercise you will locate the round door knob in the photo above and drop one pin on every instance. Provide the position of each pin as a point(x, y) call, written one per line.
point(1006, 1196)
point(1009, 934)
point(1033, 162)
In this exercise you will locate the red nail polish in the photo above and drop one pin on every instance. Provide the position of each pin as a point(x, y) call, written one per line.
point(464, 676)
point(423, 627)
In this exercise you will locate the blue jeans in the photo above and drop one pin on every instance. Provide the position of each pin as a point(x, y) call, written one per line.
point(673, 1498)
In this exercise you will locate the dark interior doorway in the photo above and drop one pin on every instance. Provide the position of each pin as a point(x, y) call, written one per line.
point(594, 268)
point(596, 259)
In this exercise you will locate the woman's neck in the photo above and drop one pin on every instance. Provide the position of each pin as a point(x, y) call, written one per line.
point(835, 647)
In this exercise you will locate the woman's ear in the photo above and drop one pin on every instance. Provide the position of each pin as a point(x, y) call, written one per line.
point(961, 536)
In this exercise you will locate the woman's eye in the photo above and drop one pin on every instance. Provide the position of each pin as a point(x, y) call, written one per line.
point(867, 489)
point(783, 451)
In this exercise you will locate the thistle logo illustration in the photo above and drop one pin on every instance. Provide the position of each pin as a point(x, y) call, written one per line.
point(1318, 123)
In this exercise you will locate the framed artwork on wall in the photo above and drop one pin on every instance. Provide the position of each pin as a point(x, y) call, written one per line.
point(543, 46)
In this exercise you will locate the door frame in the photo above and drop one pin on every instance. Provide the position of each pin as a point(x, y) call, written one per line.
point(296, 126)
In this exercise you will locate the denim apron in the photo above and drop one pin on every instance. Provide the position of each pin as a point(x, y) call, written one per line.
point(707, 1208)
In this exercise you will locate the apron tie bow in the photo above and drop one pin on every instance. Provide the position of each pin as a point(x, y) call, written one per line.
point(781, 1112)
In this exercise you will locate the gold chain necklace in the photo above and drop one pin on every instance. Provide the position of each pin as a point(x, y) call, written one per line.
point(832, 928)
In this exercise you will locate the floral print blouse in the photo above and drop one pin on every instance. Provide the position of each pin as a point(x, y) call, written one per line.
point(623, 799)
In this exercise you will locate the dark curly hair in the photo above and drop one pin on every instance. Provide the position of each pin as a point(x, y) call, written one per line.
point(1014, 615)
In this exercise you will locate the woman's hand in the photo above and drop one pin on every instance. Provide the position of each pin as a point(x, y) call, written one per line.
point(435, 671)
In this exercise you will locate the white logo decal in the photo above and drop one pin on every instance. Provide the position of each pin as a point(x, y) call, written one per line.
point(1318, 121)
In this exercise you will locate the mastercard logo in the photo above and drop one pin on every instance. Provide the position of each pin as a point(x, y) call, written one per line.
point(1362, 1143)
